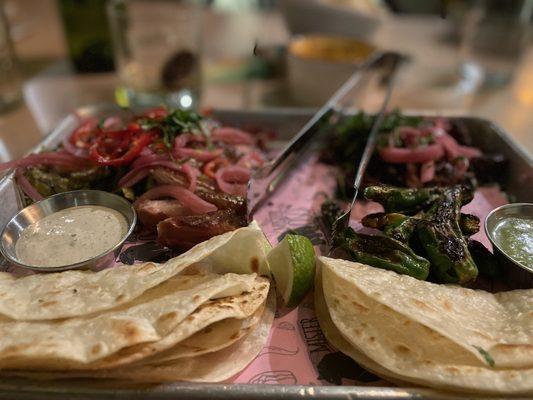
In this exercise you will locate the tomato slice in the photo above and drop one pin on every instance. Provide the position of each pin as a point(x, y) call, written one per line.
point(119, 147)
point(212, 166)
point(83, 135)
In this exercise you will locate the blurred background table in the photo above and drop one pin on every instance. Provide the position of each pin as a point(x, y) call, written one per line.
point(51, 89)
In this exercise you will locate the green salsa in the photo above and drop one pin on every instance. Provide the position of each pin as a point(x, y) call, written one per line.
point(514, 237)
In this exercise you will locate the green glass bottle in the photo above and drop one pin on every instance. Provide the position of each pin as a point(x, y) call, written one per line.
point(87, 34)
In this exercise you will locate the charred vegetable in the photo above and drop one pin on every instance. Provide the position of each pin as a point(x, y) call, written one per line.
point(394, 199)
point(443, 243)
point(469, 224)
point(384, 252)
point(377, 251)
point(486, 262)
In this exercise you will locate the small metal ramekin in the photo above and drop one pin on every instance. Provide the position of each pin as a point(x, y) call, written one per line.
point(517, 274)
point(37, 211)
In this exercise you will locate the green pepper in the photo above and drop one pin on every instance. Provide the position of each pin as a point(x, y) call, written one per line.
point(443, 243)
point(394, 199)
point(384, 252)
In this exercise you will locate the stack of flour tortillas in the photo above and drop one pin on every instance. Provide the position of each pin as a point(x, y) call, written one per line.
point(412, 331)
point(202, 316)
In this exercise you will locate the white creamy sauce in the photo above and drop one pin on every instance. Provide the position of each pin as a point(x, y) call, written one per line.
point(71, 235)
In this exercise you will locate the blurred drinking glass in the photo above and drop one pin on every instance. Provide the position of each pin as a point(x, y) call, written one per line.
point(157, 46)
point(10, 79)
point(493, 39)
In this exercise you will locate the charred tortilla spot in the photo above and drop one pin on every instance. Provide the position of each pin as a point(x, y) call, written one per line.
point(120, 297)
point(129, 331)
point(359, 307)
point(234, 336)
point(401, 349)
point(49, 303)
point(168, 316)
point(97, 348)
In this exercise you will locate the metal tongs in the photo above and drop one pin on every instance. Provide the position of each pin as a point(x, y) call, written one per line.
point(267, 178)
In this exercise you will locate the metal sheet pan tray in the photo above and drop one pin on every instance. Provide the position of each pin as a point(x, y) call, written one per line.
point(285, 122)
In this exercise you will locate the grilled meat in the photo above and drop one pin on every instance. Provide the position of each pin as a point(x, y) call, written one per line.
point(184, 232)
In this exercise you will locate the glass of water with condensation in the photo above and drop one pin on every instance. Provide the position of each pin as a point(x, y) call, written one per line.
point(157, 46)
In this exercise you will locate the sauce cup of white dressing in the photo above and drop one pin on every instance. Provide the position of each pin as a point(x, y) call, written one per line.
point(82, 229)
point(509, 229)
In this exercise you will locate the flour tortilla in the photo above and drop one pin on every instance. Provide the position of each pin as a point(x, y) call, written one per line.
point(216, 366)
point(80, 293)
point(214, 337)
point(500, 324)
point(238, 306)
point(81, 342)
point(338, 341)
point(405, 349)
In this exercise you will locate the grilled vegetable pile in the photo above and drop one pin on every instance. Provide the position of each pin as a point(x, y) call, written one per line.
point(411, 152)
point(424, 234)
point(186, 173)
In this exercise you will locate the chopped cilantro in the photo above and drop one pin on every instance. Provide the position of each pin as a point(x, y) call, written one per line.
point(486, 355)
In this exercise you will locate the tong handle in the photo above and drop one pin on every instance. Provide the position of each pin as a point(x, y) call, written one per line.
point(310, 128)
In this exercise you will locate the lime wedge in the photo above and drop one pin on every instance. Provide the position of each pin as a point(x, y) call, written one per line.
point(292, 263)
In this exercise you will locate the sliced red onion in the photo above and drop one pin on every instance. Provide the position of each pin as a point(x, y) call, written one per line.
point(454, 149)
point(409, 135)
point(232, 136)
point(133, 177)
point(397, 155)
point(469, 152)
point(184, 196)
point(233, 180)
point(427, 172)
point(74, 150)
point(135, 174)
point(60, 159)
point(192, 174)
point(200, 155)
point(143, 160)
point(185, 138)
point(251, 160)
point(26, 186)
point(450, 145)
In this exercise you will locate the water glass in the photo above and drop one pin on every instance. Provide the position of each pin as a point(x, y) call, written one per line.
point(494, 36)
point(157, 46)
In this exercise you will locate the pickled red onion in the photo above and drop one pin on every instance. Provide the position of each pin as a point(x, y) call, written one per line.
point(232, 136)
point(135, 176)
point(184, 196)
point(27, 187)
point(251, 160)
point(192, 174)
point(399, 155)
point(74, 150)
point(60, 159)
point(200, 155)
point(233, 180)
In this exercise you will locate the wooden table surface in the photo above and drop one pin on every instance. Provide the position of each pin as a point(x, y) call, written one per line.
point(51, 93)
